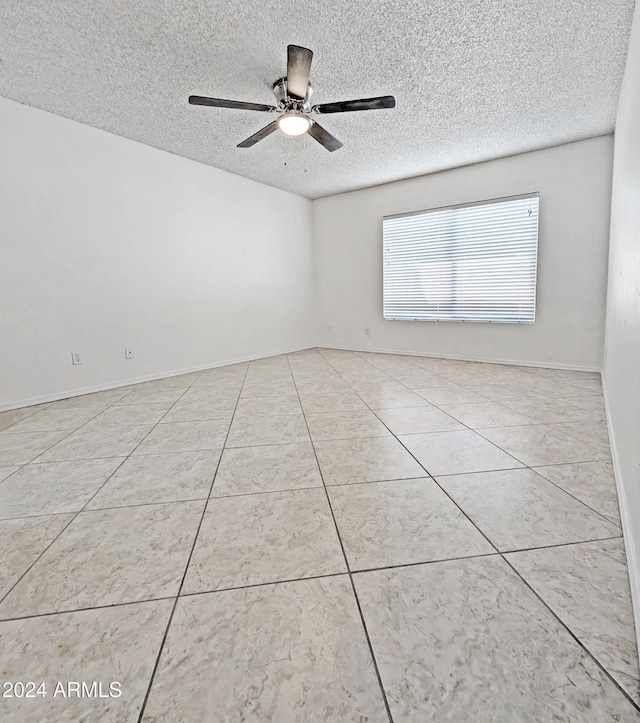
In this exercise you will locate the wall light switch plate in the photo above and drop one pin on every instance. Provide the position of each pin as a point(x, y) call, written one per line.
point(128, 352)
point(367, 330)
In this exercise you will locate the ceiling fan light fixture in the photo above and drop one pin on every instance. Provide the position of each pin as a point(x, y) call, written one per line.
point(292, 123)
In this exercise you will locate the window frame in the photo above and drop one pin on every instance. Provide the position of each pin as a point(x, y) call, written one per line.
point(485, 202)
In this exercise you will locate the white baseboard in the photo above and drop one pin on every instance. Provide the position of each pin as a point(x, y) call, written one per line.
point(453, 357)
point(632, 557)
point(139, 380)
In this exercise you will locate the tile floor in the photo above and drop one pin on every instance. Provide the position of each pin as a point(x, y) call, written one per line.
point(323, 536)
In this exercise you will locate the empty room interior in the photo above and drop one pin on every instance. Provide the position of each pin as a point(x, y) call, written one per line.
point(320, 361)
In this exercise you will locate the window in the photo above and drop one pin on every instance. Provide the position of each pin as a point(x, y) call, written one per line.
point(475, 262)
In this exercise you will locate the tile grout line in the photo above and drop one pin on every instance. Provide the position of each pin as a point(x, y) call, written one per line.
point(77, 512)
point(582, 502)
point(312, 577)
point(84, 609)
point(580, 643)
point(543, 602)
point(33, 460)
point(188, 562)
point(431, 477)
point(349, 571)
point(346, 561)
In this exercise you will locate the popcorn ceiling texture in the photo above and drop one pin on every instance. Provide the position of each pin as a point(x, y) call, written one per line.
point(472, 80)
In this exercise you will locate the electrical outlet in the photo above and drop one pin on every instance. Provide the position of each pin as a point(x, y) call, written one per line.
point(128, 352)
point(76, 357)
point(367, 330)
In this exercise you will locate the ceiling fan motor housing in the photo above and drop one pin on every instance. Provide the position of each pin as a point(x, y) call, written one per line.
point(283, 100)
point(293, 104)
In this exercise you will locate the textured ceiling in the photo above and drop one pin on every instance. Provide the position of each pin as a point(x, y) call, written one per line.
point(473, 80)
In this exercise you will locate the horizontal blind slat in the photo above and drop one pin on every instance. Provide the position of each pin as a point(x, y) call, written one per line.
point(472, 263)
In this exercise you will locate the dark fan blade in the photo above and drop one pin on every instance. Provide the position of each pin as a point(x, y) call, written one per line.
point(298, 69)
point(220, 103)
point(383, 101)
point(323, 137)
point(252, 140)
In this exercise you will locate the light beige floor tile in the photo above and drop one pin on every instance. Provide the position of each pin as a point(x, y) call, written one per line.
point(486, 653)
point(400, 522)
point(505, 392)
point(52, 420)
point(269, 376)
point(129, 415)
point(457, 453)
point(6, 471)
point(418, 419)
point(367, 386)
point(517, 509)
point(152, 396)
point(467, 379)
point(467, 640)
point(97, 442)
point(592, 432)
point(589, 386)
point(549, 411)
point(450, 395)
point(113, 645)
point(254, 539)
point(485, 414)
point(269, 389)
point(347, 461)
point(591, 482)
point(234, 372)
point(267, 406)
point(219, 387)
point(182, 381)
point(319, 403)
point(563, 375)
point(435, 381)
point(289, 652)
point(107, 557)
point(21, 541)
point(54, 487)
point(156, 478)
point(97, 400)
point(541, 444)
point(345, 425)
point(269, 468)
point(201, 409)
point(418, 379)
point(393, 398)
point(282, 429)
point(185, 437)
point(587, 586)
point(593, 403)
point(320, 386)
point(18, 449)
point(211, 394)
point(513, 376)
point(13, 416)
point(557, 389)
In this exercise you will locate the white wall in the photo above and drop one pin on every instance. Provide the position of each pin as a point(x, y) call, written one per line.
point(105, 242)
point(574, 182)
point(621, 375)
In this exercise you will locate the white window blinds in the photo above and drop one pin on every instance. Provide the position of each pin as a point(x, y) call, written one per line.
point(475, 262)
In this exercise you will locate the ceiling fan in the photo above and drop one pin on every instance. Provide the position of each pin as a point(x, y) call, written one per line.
point(293, 96)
